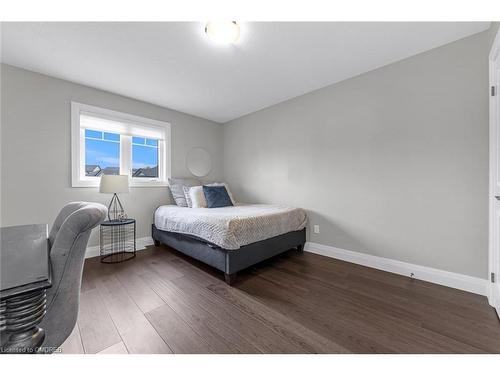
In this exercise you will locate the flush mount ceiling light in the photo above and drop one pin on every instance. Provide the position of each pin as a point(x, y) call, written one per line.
point(223, 31)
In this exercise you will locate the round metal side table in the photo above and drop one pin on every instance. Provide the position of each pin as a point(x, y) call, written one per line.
point(117, 240)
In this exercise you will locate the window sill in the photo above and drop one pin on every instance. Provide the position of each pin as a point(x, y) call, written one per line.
point(148, 184)
point(133, 184)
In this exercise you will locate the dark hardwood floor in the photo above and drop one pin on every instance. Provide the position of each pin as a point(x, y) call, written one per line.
point(164, 302)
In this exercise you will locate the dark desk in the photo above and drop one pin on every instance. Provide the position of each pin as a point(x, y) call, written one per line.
point(25, 277)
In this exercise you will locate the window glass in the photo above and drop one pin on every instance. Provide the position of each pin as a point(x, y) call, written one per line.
point(112, 137)
point(138, 140)
point(93, 134)
point(102, 153)
point(152, 142)
point(144, 157)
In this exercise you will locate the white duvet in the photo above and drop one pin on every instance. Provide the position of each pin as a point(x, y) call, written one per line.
point(231, 227)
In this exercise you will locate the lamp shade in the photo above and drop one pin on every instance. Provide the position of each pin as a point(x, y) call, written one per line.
point(114, 184)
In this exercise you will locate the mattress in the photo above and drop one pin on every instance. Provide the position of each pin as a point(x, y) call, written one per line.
point(231, 227)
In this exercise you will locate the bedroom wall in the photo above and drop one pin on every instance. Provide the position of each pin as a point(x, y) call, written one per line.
point(35, 152)
point(392, 163)
point(492, 32)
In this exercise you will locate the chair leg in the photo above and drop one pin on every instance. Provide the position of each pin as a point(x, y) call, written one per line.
point(230, 278)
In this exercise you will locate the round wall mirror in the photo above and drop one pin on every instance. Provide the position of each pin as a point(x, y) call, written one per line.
point(199, 162)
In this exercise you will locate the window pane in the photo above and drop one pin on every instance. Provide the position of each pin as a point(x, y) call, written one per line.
point(152, 142)
point(93, 134)
point(112, 137)
point(144, 158)
point(138, 140)
point(102, 156)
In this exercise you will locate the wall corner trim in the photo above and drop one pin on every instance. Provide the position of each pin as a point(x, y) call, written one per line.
point(140, 243)
point(432, 275)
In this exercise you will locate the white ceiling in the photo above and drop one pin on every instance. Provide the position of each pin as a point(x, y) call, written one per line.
point(174, 64)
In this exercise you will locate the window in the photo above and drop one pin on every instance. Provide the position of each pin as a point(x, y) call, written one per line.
point(109, 142)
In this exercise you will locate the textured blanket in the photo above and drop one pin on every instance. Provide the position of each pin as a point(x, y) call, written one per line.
point(231, 227)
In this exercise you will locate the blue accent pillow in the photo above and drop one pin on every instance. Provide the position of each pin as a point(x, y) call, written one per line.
point(216, 196)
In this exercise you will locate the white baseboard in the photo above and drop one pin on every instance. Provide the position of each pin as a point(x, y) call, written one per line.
point(433, 275)
point(494, 297)
point(141, 243)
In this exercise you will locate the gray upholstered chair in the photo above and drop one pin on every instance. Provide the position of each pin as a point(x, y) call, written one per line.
point(68, 240)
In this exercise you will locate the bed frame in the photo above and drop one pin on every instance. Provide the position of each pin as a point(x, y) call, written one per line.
point(230, 261)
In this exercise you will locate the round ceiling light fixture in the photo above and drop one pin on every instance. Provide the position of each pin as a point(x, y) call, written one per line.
point(223, 31)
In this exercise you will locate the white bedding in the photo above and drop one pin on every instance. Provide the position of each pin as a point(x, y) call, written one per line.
point(231, 227)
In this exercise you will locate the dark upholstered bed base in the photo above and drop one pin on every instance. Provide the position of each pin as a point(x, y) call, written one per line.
point(230, 261)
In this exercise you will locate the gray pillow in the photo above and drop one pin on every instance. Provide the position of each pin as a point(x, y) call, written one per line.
point(177, 189)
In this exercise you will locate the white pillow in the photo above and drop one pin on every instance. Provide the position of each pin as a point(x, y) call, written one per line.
point(227, 189)
point(177, 189)
point(195, 197)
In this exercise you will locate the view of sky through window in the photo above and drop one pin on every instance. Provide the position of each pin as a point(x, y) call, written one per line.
point(144, 157)
point(102, 153)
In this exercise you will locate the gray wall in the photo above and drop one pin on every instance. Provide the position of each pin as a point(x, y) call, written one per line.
point(493, 32)
point(36, 153)
point(392, 163)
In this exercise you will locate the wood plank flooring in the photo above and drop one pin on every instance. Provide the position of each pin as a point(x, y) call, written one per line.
point(165, 302)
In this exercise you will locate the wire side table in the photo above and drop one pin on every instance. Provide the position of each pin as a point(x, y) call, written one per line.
point(117, 240)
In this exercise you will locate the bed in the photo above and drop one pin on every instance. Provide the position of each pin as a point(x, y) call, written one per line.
point(232, 238)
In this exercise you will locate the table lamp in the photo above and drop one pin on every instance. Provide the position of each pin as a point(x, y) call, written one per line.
point(114, 184)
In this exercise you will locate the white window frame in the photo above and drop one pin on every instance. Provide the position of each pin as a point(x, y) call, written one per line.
point(78, 178)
